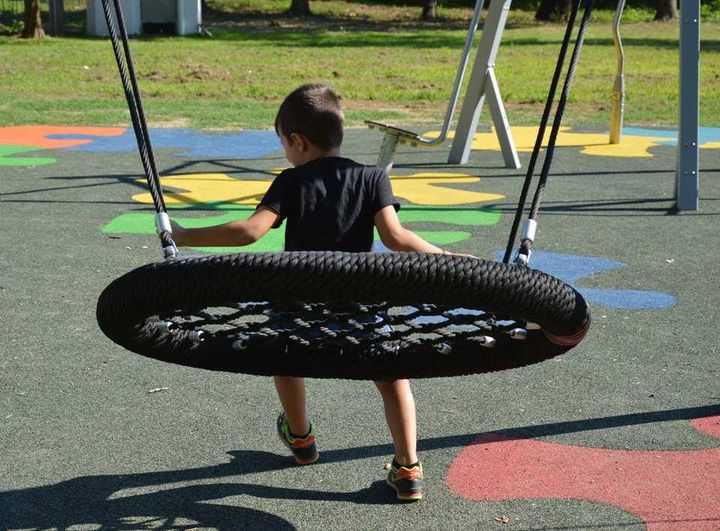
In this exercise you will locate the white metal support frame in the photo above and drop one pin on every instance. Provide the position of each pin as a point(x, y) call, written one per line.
point(487, 50)
point(394, 135)
point(483, 83)
point(687, 175)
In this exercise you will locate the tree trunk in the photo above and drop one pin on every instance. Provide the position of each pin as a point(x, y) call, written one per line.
point(33, 22)
point(429, 11)
point(666, 10)
point(549, 9)
point(300, 8)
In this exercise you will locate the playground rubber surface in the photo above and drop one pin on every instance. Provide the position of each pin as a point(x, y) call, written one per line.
point(622, 432)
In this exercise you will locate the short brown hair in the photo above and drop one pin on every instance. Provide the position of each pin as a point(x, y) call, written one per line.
point(314, 111)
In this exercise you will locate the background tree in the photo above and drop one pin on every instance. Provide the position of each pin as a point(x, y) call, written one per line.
point(550, 9)
point(300, 7)
point(429, 11)
point(666, 10)
point(33, 22)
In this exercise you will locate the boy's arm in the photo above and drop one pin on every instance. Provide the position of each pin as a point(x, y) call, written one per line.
point(397, 238)
point(231, 234)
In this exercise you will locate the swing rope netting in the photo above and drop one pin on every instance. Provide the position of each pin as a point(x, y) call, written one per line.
point(342, 315)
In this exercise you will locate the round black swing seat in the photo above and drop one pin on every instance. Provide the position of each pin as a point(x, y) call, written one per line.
point(343, 315)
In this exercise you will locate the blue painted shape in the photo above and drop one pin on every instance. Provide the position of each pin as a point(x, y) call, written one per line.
point(669, 136)
point(189, 144)
point(628, 299)
point(708, 134)
point(571, 269)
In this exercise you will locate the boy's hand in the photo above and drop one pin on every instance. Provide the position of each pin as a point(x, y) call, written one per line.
point(178, 233)
point(445, 251)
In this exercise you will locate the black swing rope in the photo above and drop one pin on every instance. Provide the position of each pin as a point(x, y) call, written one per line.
point(528, 236)
point(137, 115)
point(332, 314)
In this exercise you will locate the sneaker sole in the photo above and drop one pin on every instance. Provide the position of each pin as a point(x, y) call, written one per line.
point(412, 496)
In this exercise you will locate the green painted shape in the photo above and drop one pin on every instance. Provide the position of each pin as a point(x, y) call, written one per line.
point(6, 159)
point(442, 237)
point(272, 242)
point(449, 215)
point(144, 223)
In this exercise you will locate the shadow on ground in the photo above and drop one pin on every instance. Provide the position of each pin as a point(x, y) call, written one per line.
point(184, 498)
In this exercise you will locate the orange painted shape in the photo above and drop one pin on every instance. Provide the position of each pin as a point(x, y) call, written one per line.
point(36, 135)
point(668, 490)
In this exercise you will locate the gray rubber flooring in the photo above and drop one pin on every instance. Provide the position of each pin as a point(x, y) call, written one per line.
point(95, 437)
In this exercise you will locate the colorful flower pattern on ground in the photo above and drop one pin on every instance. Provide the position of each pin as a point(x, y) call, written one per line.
point(572, 269)
point(219, 188)
point(273, 241)
point(28, 138)
point(636, 142)
point(666, 489)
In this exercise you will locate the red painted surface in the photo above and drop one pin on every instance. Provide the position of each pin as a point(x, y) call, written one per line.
point(668, 490)
point(35, 135)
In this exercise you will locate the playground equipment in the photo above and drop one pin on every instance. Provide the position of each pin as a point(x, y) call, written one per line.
point(482, 83)
point(687, 174)
point(618, 98)
point(324, 313)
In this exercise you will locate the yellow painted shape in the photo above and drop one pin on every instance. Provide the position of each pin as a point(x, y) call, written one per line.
point(208, 188)
point(215, 188)
point(589, 143)
point(428, 189)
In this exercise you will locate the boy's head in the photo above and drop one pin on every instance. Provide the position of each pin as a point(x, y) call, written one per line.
point(312, 111)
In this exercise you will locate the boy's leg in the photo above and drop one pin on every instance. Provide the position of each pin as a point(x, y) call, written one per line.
point(293, 427)
point(406, 473)
point(400, 415)
point(291, 392)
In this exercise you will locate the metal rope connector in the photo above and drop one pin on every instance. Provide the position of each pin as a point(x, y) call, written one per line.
point(164, 230)
point(170, 251)
point(523, 259)
point(162, 223)
point(527, 239)
point(487, 341)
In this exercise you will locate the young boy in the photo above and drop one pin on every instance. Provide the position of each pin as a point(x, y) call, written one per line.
point(332, 204)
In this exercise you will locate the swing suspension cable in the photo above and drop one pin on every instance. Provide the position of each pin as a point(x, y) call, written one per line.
point(541, 132)
point(528, 236)
point(137, 116)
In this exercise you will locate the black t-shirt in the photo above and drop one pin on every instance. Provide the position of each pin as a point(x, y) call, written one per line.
point(329, 204)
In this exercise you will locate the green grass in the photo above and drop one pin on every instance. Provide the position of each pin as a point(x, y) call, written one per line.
point(386, 65)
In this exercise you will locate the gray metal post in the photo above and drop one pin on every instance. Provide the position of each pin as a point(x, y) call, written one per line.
point(482, 82)
point(687, 176)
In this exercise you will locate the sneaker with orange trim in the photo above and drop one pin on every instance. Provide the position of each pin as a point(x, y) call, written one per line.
point(407, 482)
point(304, 449)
